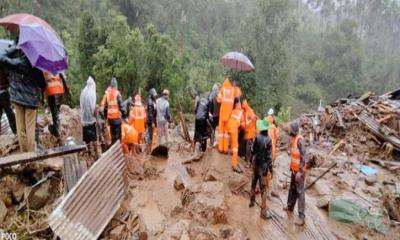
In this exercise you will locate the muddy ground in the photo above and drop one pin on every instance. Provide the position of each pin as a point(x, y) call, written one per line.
point(213, 203)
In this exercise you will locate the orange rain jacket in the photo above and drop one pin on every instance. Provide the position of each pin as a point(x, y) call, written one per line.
point(249, 122)
point(226, 98)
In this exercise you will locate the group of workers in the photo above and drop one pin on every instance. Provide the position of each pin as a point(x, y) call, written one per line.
point(238, 123)
point(22, 89)
point(124, 120)
point(24, 86)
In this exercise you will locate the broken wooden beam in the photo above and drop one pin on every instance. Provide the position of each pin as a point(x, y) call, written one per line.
point(90, 205)
point(36, 156)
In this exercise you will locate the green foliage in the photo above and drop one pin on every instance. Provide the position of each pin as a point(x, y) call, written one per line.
point(303, 51)
point(283, 115)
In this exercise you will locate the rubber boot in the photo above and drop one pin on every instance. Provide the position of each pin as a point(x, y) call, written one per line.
point(265, 214)
point(252, 197)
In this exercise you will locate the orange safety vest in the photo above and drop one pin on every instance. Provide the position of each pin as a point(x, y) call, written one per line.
point(137, 117)
point(54, 84)
point(295, 154)
point(113, 111)
point(128, 134)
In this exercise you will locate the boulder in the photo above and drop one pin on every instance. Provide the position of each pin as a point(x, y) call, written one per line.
point(3, 211)
point(323, 202)
point(322, 188)
point(210, 203)
point(371, 180)
point(178, 183)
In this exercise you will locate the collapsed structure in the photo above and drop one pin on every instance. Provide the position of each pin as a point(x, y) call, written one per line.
point(352, 173)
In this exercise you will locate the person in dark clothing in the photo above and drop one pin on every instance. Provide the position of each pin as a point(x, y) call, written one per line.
point(5, 104)
point(214, 110)
point(151, 117)
point(202, 129)
point(112, 108)
point(298, 170)
point(26, 86)
point(262, 165)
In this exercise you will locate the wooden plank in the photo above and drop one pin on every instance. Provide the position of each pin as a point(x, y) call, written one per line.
point(36, 156)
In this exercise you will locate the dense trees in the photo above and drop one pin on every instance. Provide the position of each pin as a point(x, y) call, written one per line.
point(304, 51)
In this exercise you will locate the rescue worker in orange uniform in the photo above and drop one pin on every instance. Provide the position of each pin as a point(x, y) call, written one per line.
point(129, 140)
point(111, 108)
point(137, 117)
point(55, 92)
point(235, 122)
point(225, 98)
point(249, 129)
point(273, 133)
point(298, 169)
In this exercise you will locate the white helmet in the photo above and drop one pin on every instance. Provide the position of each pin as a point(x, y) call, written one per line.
point(271, 112)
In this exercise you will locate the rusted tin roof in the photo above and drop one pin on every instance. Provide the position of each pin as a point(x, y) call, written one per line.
point(88, 207)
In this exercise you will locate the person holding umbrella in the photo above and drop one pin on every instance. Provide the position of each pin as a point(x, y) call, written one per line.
point(26, 86)
point(39, 49)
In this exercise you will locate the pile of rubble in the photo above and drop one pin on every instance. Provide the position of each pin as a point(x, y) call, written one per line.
point(367, 127)
point(353, 153)
point(27, 195)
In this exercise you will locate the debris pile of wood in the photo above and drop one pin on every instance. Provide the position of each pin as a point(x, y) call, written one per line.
point(368, 125)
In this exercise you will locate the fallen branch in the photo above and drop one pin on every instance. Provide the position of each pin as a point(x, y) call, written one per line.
point(194, 158)
point(320, 176)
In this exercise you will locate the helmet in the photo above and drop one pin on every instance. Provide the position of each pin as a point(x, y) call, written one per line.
point(271, 111)
point(153, 92)
point(165, 92)
point(114, 82)
point(294, 128)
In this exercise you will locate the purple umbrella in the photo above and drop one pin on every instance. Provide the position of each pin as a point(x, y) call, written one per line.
point(44, 48)
point(237, 61)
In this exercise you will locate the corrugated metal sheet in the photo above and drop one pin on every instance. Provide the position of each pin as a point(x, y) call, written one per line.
point(5, 127)
point(86, 210)
point(380, 130)
point(73, 169)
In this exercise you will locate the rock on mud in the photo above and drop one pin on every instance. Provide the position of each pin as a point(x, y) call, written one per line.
point(371, 180)
point(210, 203)
point(178, 183)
